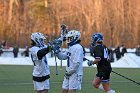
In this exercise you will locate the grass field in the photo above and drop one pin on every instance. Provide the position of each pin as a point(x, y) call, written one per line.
point(18, 79)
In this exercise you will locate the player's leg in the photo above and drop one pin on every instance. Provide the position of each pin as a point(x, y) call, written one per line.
point(38, 91)
point(105, 82)
point(72, 91)
point(98, 79)
point(96, 82)
point(111, 91)
point(42, 91)
point(45, 91)
point(75, 83)
point(41, 87)
point(106, 86)
point(65, 85)
point(102, 86)
point(64, 91)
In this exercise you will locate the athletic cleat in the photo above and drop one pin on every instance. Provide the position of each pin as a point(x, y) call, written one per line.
point(111, 91)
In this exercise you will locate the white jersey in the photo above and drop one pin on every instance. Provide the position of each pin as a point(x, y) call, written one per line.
point(75, 54)
point(41, 67)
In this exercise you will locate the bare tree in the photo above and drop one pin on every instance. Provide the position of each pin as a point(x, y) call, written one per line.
point(118, 20)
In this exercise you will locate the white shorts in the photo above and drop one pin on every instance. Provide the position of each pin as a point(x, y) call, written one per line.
point(41, 85)
point(74, 82)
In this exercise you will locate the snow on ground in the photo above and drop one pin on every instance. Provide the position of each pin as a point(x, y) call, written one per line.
point(130, 60)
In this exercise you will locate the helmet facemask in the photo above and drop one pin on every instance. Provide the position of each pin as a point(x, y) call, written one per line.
point(72, 37)
point(97, 38)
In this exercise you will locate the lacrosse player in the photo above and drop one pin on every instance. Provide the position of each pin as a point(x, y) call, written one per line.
point(101, 55)
point(41, 71)
point(74, 56)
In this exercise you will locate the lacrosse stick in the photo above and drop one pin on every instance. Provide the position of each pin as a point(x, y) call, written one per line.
point(56, 69)
point(120, 75)
point(126, 77)
point(58, 42)
point(64, 31)
point(55, 51)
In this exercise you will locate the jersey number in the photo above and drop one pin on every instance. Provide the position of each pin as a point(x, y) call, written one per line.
point(68, 61)
point(106, 53)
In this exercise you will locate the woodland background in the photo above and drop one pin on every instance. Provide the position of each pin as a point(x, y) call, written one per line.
point(118, 20)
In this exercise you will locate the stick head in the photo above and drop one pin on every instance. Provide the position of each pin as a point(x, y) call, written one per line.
point(64, 30)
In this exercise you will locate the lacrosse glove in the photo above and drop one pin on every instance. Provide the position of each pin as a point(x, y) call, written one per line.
point(89, 63)
point(67, 75)
point(54, 47)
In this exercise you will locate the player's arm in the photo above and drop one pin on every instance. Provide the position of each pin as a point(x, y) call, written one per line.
point(97, 56)
point(95, 61)
point(73, 70)
point(90, 63)
point(41, 53)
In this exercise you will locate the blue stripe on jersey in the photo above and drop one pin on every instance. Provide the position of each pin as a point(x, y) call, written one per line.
point(45, 60)
point(33, 60)
point(68, 63)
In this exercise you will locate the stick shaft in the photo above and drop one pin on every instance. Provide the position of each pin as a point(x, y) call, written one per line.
point(56, 66)
point(126, 77)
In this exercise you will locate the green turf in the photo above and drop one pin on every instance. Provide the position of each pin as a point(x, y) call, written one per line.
point(18, 79)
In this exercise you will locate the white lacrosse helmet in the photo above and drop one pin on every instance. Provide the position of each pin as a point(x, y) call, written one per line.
point(38, 38)
point(73, 36)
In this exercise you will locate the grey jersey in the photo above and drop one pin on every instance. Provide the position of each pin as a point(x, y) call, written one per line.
point(41, 67)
